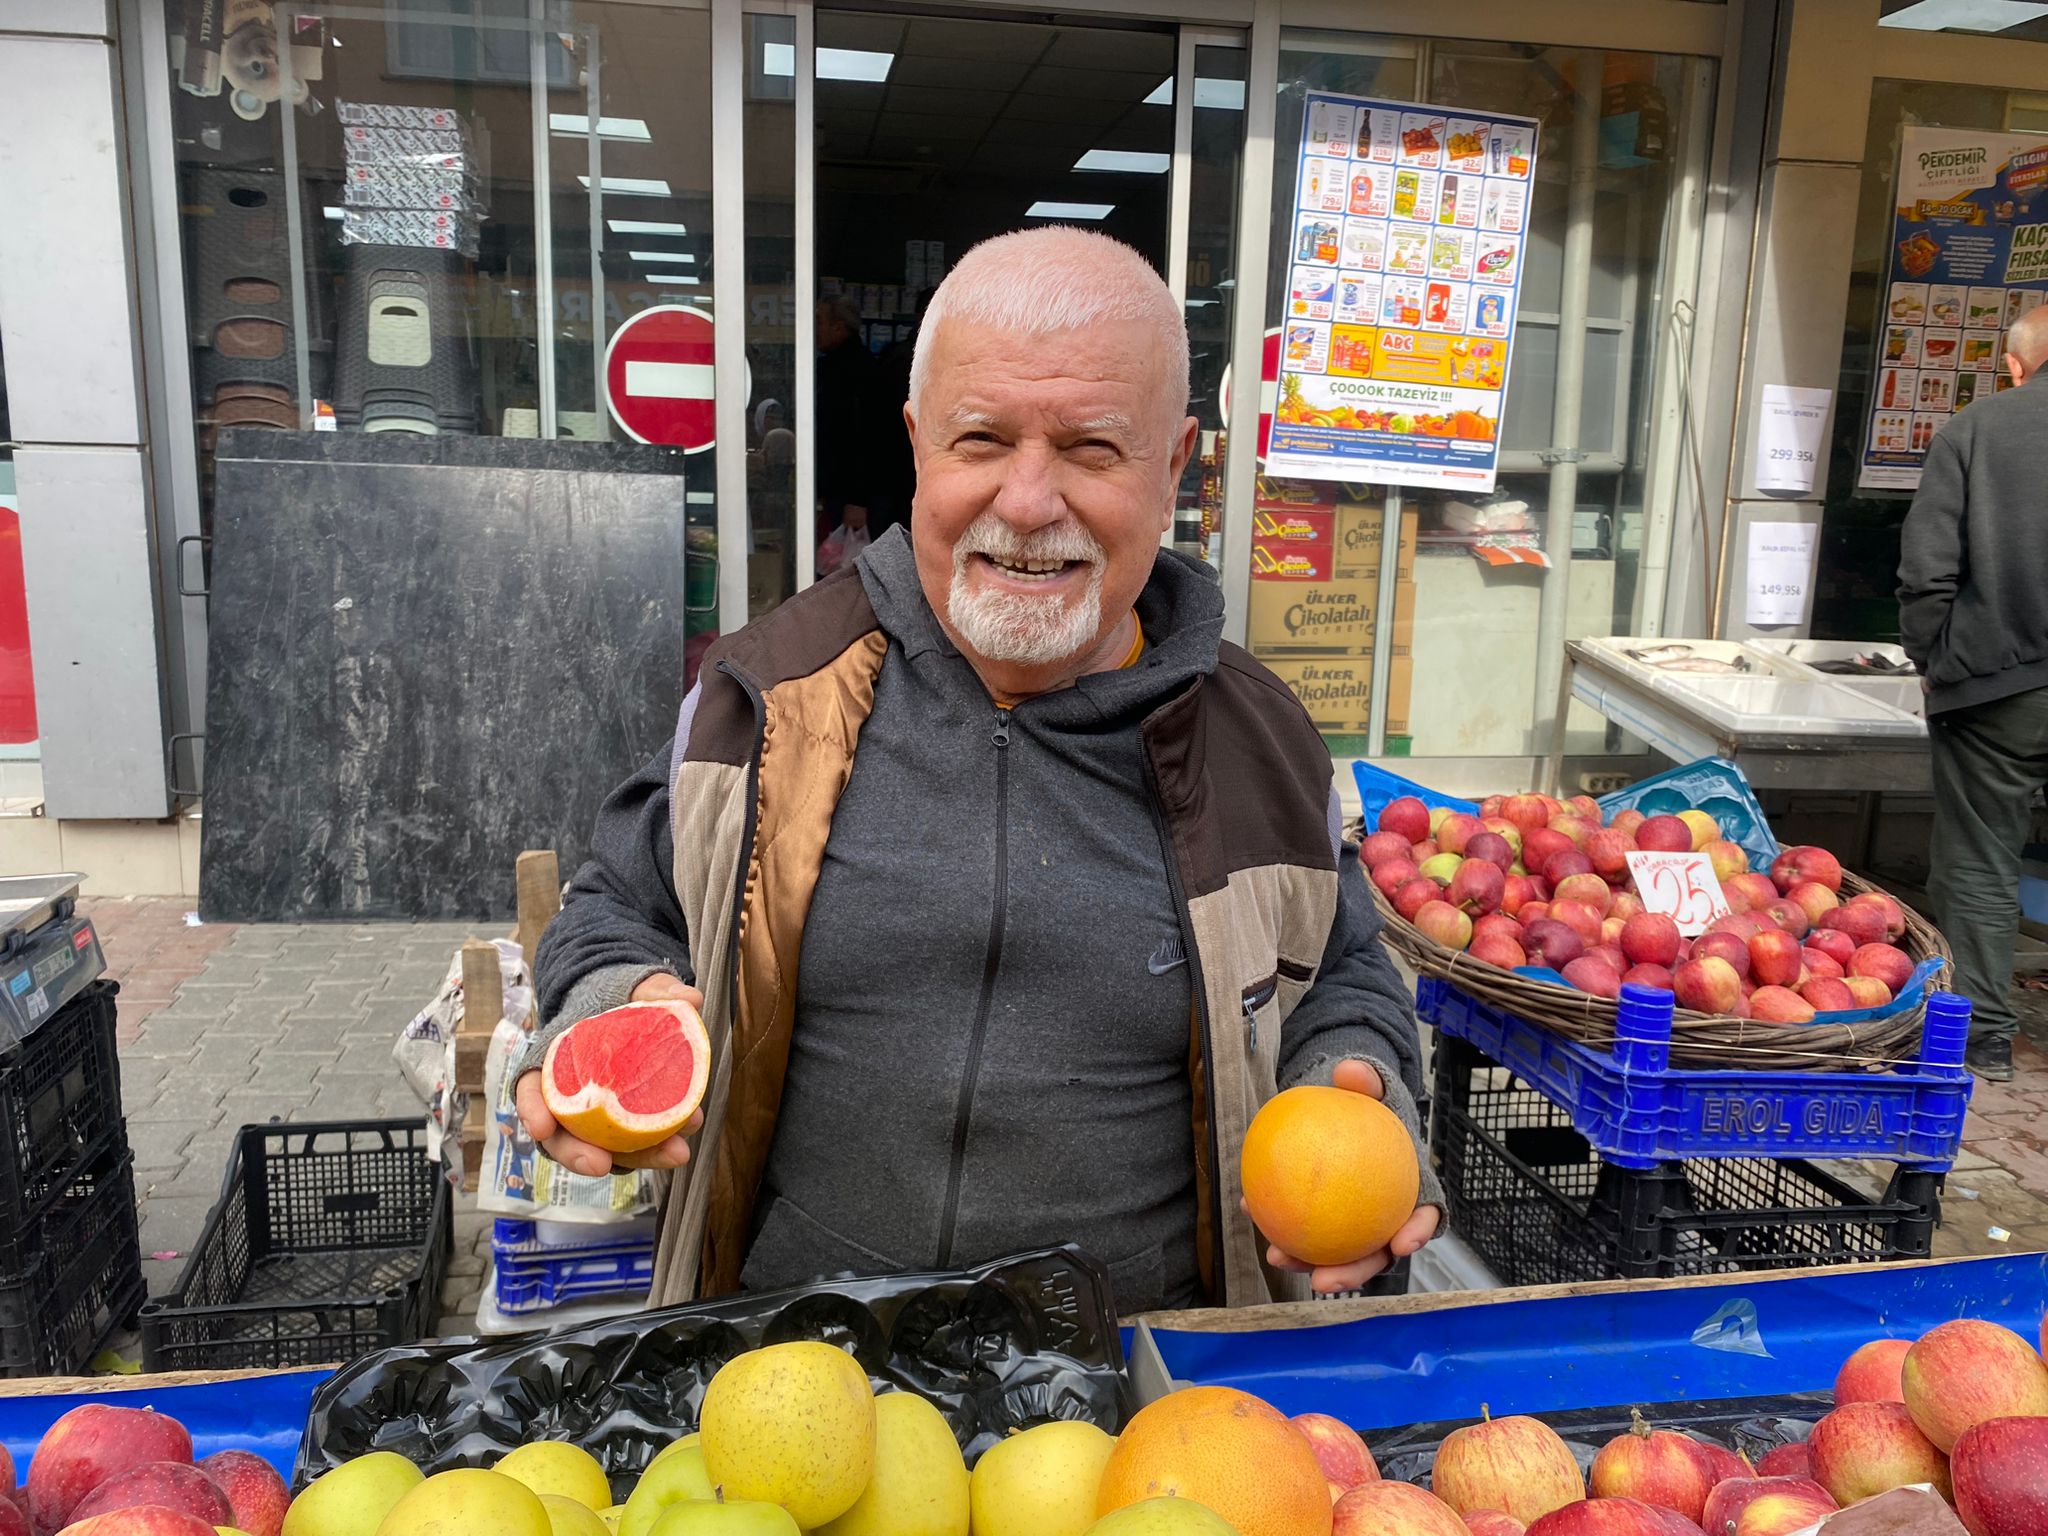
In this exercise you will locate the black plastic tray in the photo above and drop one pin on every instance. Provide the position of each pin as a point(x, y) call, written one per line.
point(1011, 1344)
point(77, 1275)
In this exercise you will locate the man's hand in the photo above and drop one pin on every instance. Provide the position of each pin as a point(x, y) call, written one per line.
point(580, 1156)
point(1419, 1228)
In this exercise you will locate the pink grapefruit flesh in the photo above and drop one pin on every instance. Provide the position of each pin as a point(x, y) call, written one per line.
point(629, 1078)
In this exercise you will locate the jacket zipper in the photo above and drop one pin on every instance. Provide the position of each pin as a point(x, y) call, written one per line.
point(1256, 996)
point(1194, 954)
point(991, 962)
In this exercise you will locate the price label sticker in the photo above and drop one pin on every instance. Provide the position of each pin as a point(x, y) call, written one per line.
point(1683, 886)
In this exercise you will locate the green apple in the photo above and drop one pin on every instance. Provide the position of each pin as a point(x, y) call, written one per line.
point(674, 1477)
point(354, 1498)
point(717, 1517)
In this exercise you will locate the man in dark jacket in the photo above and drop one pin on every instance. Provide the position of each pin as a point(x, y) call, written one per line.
point(1973, 613)
point(1009, 892)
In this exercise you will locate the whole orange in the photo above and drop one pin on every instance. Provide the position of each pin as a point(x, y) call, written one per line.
point(1225, 1449)
point(1329, 1174)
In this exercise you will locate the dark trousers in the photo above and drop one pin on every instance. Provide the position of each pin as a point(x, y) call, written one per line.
point(1990, 761)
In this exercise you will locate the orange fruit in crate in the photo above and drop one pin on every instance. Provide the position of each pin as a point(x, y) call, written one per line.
point(1329, 1174)
point(629, 1078)
point(1225, 1449)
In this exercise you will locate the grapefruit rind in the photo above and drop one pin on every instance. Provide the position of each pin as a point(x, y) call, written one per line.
point(629, 1078)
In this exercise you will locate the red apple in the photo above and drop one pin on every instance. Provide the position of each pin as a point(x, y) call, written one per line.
point(1836, 946)
point(1611, 930)
point(1868, 991)
point(1650, 938)
point(1585, 807)
point(1552, 943)
point(1891, 966)
point(1789, 916)
point(1529, 812)
point(1664, 834)
point(1393, 1509)
point(1705, 829)
point(1868, 1448)
point(1766, 1506)
point(1863, 924)
point(1707, 984)
point(1748, 892)
point(1820, 965)
point(1656, 1466)
point(1774, 959)
point(1657, 977)
point(1628, 820)
point(1816, 900)
point(1391, 874)
point(1873, 1373)
point(1497, 949)
point(1339, 1451)
point(1407, 816)
point(1516, 892)
point(1382, 846)
point(1476, 887)
point(1614, 1517)
point(257, 1494)
point(2000, 1468)
point(1456, 830)
point(1577, 916)
point(1588, 888)
point(1491, 805)
point(1828, 994)
point(1416, 894)
point(1722, 1463)
point(1491, 1522)
point(1964, 1372)
point(1627, 904)
point(1517, 1465)
point(1609, 851)
point(1780, 1005)
point(1793, 1460)
point(1562, 866)
point(1804, 863)
point(1729, 859)
point(1444, 923)
point(1496, 922)
point(90, 1445)
point(1542, 845)
point(1424, 851)
point(1729, 947)
point(13, 1521)
point(1595, 976)
point(1493, 848)
point(1533, 911)
point(1894, 914)
point(145, 1520)
point(164, 1484)
point(1505, 830)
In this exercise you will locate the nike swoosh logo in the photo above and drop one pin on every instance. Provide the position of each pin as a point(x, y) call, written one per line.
point(1167, 957)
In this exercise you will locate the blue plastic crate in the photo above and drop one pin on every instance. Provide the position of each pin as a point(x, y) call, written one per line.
point(1713, 785)
point(531, 1285)
point(517, 1237)
point(1377, 788)
point(1638, 1111)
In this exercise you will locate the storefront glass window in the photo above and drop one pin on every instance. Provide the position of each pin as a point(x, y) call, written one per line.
point(1438, 606)
point(778, 327)
point(1215, 180)
point(398, 220)
point(1855, 591)
point(19, 777)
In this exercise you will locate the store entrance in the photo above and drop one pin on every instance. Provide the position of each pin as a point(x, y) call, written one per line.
point(934, 133)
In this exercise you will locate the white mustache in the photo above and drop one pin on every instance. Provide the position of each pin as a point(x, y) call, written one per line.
point(990, 535)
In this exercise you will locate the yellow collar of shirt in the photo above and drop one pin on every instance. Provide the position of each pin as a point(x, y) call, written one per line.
point(1130, 660)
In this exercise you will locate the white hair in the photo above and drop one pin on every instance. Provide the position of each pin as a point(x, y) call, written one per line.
point(1026, 628)
point(1056, 278)
point(2028, 338)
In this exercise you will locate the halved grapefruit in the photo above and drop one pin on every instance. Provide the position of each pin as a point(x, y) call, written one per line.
point(628, 1078)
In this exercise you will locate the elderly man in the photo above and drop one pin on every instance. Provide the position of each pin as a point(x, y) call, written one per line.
point(1010, 890)
point(1973, 614)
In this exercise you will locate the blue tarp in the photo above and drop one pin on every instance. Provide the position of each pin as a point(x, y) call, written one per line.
point(264, 1414)
point(1644, 1344)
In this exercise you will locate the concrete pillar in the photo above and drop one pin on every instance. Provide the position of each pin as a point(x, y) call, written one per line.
point(1799, 286)
point(68, 327)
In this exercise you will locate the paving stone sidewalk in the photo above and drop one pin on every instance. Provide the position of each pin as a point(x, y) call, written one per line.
point(224, 1025)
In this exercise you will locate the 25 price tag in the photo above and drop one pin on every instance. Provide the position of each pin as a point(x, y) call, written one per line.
point(1682, 886)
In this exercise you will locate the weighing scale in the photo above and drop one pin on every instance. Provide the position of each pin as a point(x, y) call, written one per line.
point(48, 952)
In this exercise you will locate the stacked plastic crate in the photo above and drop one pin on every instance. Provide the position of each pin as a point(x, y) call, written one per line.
point(538, 1268)
point(412, 210)
point(70, 1260)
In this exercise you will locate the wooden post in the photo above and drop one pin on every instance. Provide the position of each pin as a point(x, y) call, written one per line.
point(538, 878)
point(483, 1004)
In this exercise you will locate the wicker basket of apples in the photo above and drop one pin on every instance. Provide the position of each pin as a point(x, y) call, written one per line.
point(1804, 971)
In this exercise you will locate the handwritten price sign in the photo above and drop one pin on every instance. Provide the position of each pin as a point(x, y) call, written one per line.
point(1682, 886)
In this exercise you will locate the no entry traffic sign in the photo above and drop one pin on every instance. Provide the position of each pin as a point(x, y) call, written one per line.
point(658, 377)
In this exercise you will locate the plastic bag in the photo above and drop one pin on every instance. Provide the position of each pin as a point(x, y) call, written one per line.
point(425, 1051)
point(841, 545)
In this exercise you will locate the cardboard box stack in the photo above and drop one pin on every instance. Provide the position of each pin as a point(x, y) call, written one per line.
point(1316, 603)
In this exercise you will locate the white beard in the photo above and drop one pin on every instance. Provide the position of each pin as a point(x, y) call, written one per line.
point(1023, 628)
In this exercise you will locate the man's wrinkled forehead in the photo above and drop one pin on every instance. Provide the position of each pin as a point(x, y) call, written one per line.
point(969, 418)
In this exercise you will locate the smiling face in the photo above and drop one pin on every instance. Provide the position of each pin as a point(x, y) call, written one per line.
point(1046, 468)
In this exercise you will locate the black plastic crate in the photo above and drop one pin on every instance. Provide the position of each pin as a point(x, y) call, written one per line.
point(330, 1240)
point(73, 1275)
point(60, 1104)
point(1531, 1198)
